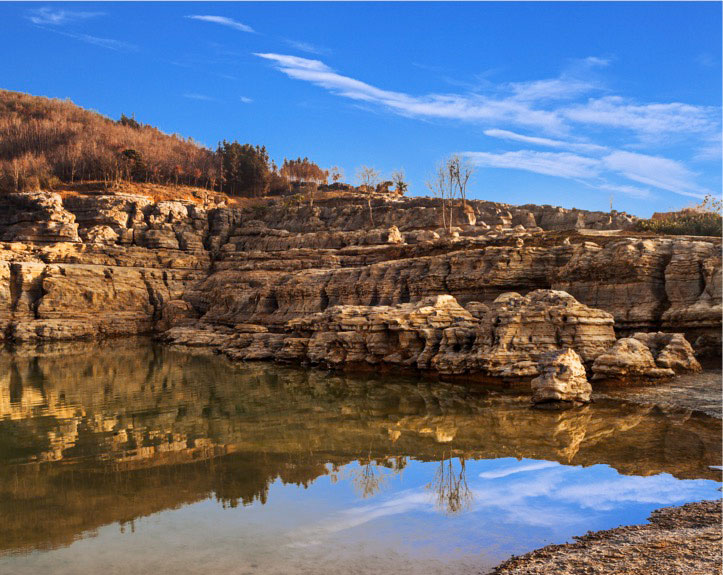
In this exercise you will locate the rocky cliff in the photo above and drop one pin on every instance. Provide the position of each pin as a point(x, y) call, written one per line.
point(279, 279)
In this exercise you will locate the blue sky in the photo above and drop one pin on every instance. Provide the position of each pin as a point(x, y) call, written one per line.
point(559, 103)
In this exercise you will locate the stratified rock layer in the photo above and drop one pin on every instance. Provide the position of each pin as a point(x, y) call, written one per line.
point(102, 264)
point(646, 355)
point(562, 379)
point(505, 339)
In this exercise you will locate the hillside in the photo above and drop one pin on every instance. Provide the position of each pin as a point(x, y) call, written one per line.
point(45, 142)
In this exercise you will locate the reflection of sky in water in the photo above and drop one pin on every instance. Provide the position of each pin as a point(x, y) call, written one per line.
point(508, 507)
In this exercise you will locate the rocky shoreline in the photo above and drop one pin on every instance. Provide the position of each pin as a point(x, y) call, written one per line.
point(677, 540)
point(296, 283)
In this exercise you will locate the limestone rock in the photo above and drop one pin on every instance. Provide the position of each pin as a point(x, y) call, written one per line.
point(101, 235)
point(517, 330)
point(562, 378)
point(175, 313)
point(629, 358)
point(36, 217)
point(103, 263)
point(395, 236)
point(437, 333)
point(670, 350)
point(404, 335)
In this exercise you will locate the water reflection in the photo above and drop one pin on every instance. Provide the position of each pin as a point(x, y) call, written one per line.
point(451, 492)
point(149, 439)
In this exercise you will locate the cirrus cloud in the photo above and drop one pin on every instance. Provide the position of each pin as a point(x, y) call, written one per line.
point(223, 21)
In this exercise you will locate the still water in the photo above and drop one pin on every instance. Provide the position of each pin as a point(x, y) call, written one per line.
point(132, 458)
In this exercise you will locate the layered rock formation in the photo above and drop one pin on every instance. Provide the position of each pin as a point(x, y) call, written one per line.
point(267, 281)
point(562, 379)
point(104, 269)
point(646, 355)
point(505, 339)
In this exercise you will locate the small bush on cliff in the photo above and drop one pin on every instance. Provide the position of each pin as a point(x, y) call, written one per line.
point(703, 219)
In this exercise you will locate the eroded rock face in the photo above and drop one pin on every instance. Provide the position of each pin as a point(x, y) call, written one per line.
point(100, 264)
point(405, 335)
point(36, 217)
point(670, 350)
point(94, 276)
point(562, 379)
point(647, 355)
point(629, 358)
point(517, 330)
point(507, 340)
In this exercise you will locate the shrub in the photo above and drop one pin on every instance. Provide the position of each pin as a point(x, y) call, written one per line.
point(683, 223)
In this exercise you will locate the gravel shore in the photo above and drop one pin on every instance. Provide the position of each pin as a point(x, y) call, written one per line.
point(678, 540)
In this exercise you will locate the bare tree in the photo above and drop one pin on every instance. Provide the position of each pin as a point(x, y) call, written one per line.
point(368, 178)
point(398, 178)
point(461, 171)
point(337, 174)
point(443, 186)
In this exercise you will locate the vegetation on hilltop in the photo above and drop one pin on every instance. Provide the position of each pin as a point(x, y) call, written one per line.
point(703, 219)
point(47, 142)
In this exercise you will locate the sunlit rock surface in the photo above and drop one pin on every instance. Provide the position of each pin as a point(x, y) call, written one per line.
point(89, 265)
point(646, 355)
point(562, 379)
point(507, 340)
point(670, 350)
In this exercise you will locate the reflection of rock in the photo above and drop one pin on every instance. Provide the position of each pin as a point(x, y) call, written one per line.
point(129, 430)
point(562, 378)
point(161, 401)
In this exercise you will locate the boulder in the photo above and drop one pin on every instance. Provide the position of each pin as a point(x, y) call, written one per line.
point(517, 330)
point(394, 236)
point(562, 379)
point(670, 350)
point(104, 235)
point(629, 358)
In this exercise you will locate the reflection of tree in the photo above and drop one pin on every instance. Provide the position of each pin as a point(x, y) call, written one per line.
point(450, 487)
point(372, 475)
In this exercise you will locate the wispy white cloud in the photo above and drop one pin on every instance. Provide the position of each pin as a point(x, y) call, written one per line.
point(471, 108)
point(199, 97)
point(655, 171)
point(540, 141)
point(223, 21)
point(648, 120)
point(661, 173)
point(594, 61)
point(306, 47)
point(108, 43)
point(561, 164)
point(518, 468)
point(562, 88)
point(551, 111)
point(711, 148)
point(47, 16)
point(245, 100)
